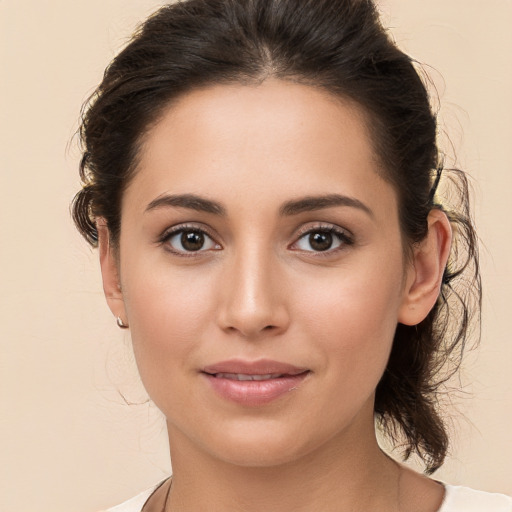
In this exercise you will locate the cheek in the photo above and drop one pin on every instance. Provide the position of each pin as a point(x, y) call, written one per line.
point(168, 310)
point(352, 319)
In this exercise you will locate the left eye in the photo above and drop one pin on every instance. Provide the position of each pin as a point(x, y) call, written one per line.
point(190, 240)
point(321, 240)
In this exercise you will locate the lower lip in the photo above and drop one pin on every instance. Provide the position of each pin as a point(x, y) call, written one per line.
point(255, 392)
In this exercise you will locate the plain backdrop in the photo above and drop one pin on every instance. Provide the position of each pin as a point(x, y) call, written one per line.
point(69, 441)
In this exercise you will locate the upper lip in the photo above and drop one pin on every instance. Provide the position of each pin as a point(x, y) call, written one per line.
point(259, 367)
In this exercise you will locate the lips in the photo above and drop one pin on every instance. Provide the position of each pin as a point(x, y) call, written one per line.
point(260, 367)
point(245, 376)
point(253, 383)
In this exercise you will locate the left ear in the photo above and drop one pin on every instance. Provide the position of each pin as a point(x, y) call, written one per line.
point(425, 271)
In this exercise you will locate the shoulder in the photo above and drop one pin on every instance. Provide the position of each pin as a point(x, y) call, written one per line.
point(464, 499)
point(134, 504)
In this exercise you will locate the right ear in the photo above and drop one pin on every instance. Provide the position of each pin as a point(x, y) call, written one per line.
point(110, 273)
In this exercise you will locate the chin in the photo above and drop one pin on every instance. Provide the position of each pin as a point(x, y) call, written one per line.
point(258, 445)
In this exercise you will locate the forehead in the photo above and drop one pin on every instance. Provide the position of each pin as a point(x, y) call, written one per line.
point(278, 138)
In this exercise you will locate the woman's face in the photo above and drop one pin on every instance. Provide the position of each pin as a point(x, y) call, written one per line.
point(258, 241)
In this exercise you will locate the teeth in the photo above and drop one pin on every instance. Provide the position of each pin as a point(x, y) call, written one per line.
point(243, 376)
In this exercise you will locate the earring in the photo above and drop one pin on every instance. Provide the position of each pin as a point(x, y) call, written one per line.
point(121, 324)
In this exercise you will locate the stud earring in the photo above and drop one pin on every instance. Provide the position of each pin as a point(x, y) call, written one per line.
point(121, 324)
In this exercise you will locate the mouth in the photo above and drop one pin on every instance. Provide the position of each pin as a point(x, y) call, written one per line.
point(245, 376)
point(265, 368)
point(254, 383)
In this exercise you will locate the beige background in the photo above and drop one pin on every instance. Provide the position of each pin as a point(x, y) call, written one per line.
point(68, 442)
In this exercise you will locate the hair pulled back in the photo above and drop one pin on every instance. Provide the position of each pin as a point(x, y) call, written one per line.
point(341, 47)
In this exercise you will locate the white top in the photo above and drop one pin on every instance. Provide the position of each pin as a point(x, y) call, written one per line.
point(456, 499)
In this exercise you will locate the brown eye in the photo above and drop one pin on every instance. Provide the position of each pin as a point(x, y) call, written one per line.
point(320, 241)
point(326, 239)
point(184, 241)
point(192, 241)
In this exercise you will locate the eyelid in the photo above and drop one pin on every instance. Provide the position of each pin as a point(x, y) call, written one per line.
point(326, 226)
point(345, 236)
point(198, 228)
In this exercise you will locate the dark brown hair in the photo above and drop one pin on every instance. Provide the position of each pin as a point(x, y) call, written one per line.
point(339, 46)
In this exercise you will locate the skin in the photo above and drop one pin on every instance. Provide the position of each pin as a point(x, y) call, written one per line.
point(258, 289)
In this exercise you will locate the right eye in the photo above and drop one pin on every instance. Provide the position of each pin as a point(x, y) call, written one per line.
point(189, 240)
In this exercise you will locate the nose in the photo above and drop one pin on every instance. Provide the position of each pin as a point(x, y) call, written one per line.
point(253, 292)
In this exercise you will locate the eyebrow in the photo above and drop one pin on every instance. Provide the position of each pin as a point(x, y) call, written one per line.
point(293, 207)
point(190, 201)
point(313, 203)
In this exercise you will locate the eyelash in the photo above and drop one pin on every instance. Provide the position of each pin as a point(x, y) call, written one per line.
point(345, 239)
point(184, 228)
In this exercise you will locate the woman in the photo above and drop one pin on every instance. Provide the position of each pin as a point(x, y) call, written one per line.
point(260, 178)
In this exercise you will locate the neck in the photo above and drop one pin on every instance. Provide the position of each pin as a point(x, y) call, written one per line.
point(350, 472)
